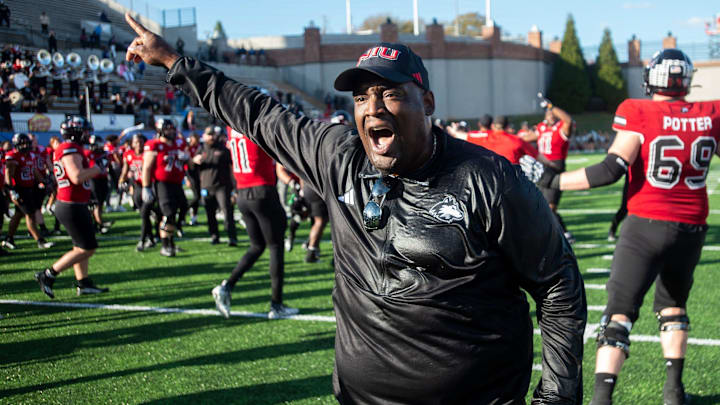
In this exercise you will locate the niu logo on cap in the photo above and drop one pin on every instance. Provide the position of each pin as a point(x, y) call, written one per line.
point(379, 52)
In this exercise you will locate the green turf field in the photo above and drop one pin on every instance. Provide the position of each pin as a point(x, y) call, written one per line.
point(155, 338)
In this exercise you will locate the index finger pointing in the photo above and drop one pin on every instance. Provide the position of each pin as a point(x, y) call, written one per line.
point(139, 28)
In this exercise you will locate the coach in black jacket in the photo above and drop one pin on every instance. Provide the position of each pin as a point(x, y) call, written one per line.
point(434, 239)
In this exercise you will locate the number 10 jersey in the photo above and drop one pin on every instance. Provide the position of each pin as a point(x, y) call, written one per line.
point(679, 138)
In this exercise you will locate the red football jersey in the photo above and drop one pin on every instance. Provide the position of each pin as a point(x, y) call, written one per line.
point(135, 164)
point(679, 138)
point(477, 136)
point(24, 172)
point(67, 190)
point(169, 162)
point(552, 142)
point(251, 165)
point(93, 156)
point(507, 145)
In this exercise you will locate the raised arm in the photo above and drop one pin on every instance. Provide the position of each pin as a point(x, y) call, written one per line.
point(302, 145)
point(547, 269)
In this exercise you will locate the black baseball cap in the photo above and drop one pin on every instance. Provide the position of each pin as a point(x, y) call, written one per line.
point(394, 62)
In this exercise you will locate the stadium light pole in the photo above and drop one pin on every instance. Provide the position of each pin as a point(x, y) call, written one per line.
point(348, 17)
point(488, 17)
point(416, 20)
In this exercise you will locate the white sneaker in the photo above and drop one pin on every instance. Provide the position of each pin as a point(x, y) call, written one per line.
point(193, 220)
point(222, 299)
point(288, 244)
point(45, 244)
point(281, 311)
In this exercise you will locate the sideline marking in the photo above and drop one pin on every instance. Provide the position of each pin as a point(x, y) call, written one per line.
point(714, 248)
point(597, 271)
point(597, 211)
point(589, 329)
point(594, 286)
point(607, 257)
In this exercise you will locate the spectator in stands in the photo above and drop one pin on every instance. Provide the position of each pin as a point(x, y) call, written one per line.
point(118, 105)
point(179, 100)
point(83, 38)
point(90, 80)
point(4, 14)
point(124, 71)
point(103, 17)
point(42, 101)
point(169, 95)
point(44, 22)
point(95, 36)
point(112, 47)
point(140, 70)
point(58, 74)
point(180, 46)
point(189, 121)
point(82, 108)
point(74, 75)
point(96, 105)
point(52, 42)
point(103, 79)
point(130, 106)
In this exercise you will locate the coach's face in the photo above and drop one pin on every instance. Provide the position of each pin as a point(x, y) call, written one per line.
point(393, 121)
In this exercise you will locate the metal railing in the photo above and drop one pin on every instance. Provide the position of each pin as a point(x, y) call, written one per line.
point(697, 51)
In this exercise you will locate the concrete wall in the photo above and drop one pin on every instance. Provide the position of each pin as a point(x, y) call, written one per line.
point(188, 35)
point(267, 42)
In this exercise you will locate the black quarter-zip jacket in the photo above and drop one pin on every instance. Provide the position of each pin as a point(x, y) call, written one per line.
point(430, 308)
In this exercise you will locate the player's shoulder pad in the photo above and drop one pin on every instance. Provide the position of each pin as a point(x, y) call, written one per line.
point(628, 114)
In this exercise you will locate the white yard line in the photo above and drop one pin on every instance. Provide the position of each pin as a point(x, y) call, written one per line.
point(595, 286)
point(589, 330)
point(597, 271)
point(612, 246)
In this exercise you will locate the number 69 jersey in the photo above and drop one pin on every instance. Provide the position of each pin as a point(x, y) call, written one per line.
point(252, 167)
point(169, 162)
point(679, 138)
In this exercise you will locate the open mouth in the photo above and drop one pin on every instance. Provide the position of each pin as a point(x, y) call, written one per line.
point(381, 138)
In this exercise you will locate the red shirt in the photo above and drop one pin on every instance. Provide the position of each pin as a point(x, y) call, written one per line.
point(251, 165)
point(24, 172)
point(476, 136)
point(93, 156)
point(507, 145)
point(679, 138)
point(67, 190)
point(552, 142)
point(135, 164)
point(169, 162)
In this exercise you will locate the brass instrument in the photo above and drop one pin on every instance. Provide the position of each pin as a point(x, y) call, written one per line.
point(58, 59)
point(74, 60)
point(106, 65)
point(44, 57)
point(93, 62)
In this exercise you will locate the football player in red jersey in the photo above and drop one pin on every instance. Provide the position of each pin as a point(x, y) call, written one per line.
point(72, 173)
point(22, 178)
point(504, 144)
point(131, 180)
point(259, 204)
point(667, 143)
point(552, 141)
point(44, 165)
point(99, 185)
point(163, 163)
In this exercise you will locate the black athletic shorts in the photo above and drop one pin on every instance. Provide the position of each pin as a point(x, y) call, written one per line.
point(552, 195)
point(31, 199)
point(170, 198)
point(79, 224)
point(316, 203)
point(650, 251)
point(99, 190)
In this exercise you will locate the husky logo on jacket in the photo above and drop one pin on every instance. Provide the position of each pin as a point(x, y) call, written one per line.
point(447, 210)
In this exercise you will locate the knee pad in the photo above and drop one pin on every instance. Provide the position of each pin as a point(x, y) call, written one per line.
point(670, 323)
point(614, 334)
point(167, 224)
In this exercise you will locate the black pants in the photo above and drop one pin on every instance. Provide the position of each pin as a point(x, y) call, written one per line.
point(74, 88)
point(220, 197)
point(4, 205)
point(648, 251)
point(194, 179)
point(57, 88)
point(103, 90)
point(146, 232)
point(265, 223)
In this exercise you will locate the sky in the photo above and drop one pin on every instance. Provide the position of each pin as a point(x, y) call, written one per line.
point(650, 20)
